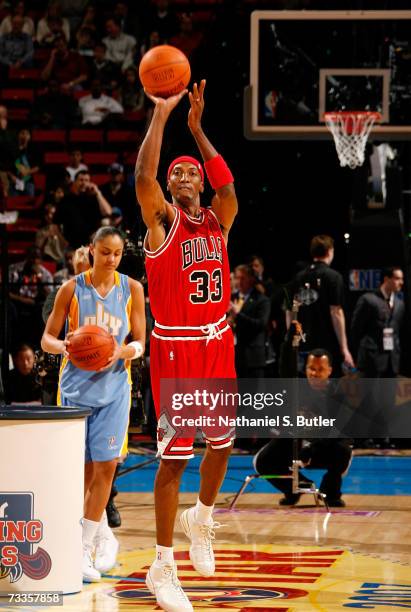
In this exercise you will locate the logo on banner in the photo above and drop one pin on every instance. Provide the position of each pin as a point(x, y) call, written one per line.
point(20, 532)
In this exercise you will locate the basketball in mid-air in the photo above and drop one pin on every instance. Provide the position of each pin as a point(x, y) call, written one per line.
point(164, 71)
point(90, 347)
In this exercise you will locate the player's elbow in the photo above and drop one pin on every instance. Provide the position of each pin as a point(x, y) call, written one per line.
point(43, 342)
point(336, 311)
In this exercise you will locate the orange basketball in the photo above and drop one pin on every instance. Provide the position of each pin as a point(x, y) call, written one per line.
point(90, 347)
point(164, 71)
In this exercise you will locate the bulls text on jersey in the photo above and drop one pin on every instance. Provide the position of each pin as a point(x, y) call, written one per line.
point(196, 250)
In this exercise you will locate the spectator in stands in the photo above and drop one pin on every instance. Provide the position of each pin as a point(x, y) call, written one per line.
point(55, 196)
point(248, 314)
point(49, 238)
point(163, 19)
point(131, 94)
point(97, 107)
point(263, 283)
point(30, 283)
point(103, 69)
point(120, 196)
point(130, 22)
point(19, 9)
point(7, 147)
point(80, 212)
point(61, 276)
point(116, 219)
point(26, 165)
point(21, 385)
point(85, 41)
point(187, 38)
point(76, 262)
point(16, 48)
point(54, 109)
point(120, 46)
point(152, 40)
point(52, 23)
point(90, 18)
point(75, 163)
point(68, 67)
point(74, 11)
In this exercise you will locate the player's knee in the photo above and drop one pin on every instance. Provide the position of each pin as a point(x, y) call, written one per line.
point(172, 468)
point(105, 469)
point(218, 451)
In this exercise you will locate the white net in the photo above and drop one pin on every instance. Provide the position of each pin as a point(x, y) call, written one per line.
point(350, 132)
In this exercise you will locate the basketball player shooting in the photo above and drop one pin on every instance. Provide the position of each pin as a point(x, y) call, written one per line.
point(189, 287)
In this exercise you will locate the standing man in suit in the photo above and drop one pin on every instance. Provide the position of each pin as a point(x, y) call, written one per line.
point(375, 332)
point(376, 326)
point(248, 314)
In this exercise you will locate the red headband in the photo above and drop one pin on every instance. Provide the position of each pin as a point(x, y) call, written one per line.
point(186, 158)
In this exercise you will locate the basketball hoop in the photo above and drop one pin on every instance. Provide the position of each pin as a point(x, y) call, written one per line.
point(350, 130)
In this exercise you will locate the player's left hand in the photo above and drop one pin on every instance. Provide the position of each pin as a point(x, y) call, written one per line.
point(114, 357)
point(195, 113)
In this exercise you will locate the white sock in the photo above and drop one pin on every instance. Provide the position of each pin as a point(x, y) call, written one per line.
point(204, 514)
point(103, 527)
point(89, 532)
point(164, 554)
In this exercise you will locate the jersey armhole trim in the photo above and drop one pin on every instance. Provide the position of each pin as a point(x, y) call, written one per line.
point(167, 241)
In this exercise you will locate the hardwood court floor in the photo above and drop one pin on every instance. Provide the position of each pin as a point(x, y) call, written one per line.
point(272, 559)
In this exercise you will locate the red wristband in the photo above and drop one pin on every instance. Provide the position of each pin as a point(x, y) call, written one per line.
point(218, 173)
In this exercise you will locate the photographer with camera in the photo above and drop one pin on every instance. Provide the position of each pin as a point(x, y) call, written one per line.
point(30, 282)
point(80, 212)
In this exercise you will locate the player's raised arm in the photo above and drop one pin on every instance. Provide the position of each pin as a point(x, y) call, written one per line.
point(148, 191)
point(224, 203)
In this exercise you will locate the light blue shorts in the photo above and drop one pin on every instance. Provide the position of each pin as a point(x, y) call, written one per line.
point(106, 428)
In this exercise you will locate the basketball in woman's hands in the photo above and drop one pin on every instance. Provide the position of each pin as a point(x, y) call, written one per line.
point(90, 347)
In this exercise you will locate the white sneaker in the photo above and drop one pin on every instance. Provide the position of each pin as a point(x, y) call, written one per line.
point(162, 582)
point(90, 574)
point(106, 551)
point(201, 536)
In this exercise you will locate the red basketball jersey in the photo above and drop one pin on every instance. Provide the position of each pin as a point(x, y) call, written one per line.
point(189, 274)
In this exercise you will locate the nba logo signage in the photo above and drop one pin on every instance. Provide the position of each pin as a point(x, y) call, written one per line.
point(365, 280)
point(19, 533)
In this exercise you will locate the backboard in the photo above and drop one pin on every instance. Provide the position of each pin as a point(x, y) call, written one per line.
point(306, 63)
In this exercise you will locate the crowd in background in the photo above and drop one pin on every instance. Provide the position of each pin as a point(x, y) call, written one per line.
point(87, 58)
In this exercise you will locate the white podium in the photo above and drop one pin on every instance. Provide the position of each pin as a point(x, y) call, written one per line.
point(41, 498)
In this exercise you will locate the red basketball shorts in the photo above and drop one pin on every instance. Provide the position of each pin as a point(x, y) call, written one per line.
point(200, 358)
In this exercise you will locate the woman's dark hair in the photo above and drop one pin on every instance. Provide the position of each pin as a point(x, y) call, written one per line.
point(103, 232)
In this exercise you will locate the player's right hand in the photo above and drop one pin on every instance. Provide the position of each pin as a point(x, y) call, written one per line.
point(166, 104)
point(65, 344)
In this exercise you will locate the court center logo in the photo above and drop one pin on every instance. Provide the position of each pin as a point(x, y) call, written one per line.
point(19, 532)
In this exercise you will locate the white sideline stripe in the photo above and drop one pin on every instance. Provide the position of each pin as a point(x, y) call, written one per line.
point(221, 331)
